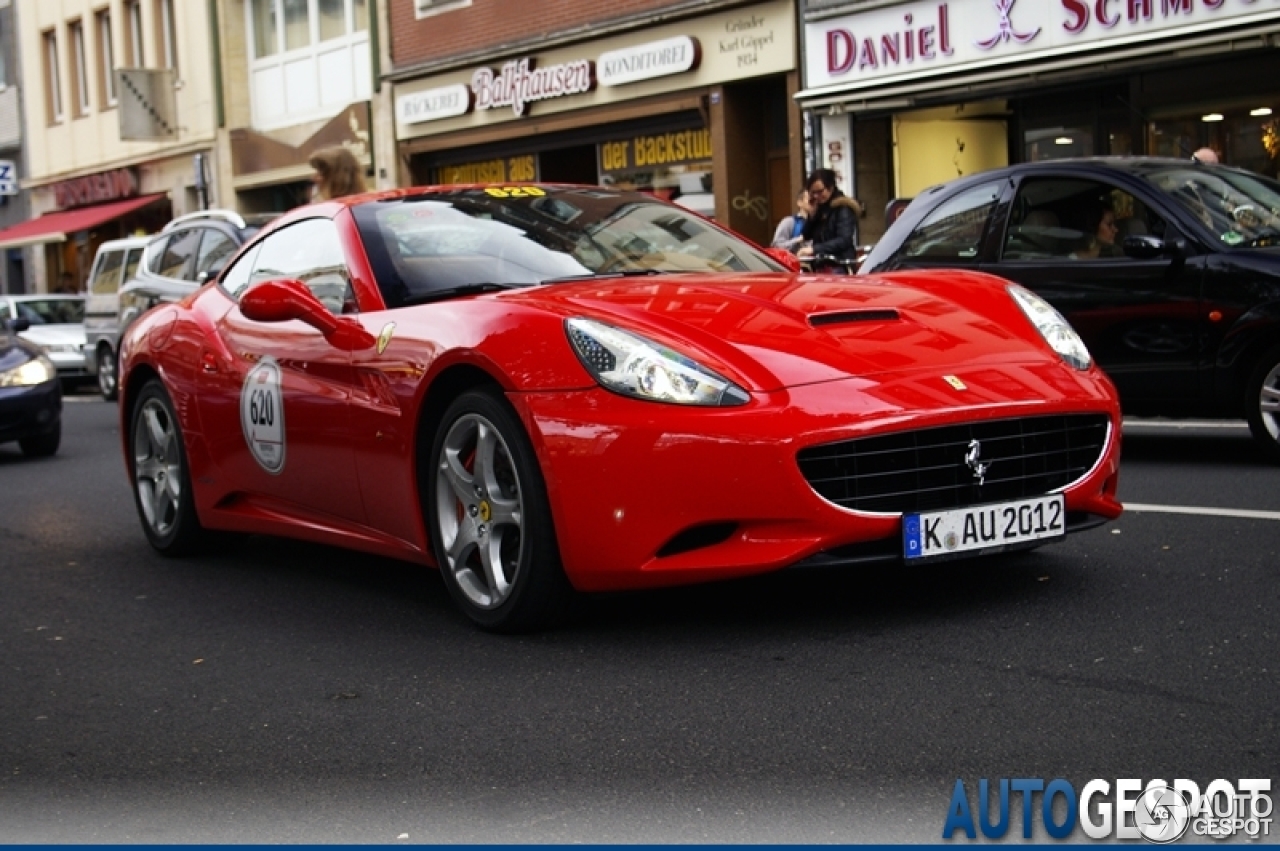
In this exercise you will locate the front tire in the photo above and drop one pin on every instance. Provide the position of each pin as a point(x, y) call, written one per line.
point(42, 445)
point(1263, 400)
point(108, 383)
point(490, 519)
point(161, 477)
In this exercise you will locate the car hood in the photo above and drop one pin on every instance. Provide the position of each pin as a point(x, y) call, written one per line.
point(71, 334)
point(782, 330)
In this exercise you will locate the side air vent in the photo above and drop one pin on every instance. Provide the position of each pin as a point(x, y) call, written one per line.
point(843, 317)
point(697, 537)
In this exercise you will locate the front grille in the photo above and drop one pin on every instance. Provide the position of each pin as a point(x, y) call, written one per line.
point(926, 470)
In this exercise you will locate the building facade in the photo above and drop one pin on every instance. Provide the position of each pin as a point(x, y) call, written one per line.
point(692, 101)
point(13, 201)
point(901, 96)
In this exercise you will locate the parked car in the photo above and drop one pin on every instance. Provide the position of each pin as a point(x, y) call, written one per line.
point(115, 264)
point(1181, 306)
point(541, 388)
point(55, 323)
point(189, 251)
point(30, 394)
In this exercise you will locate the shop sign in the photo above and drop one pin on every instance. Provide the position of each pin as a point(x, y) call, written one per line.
point(518, 169)
point(647, 61)
point(113, 185)
point(8, 178)
point(676, 148)
point(521, 83)
point(433, 104)
point(905, 41)
point(254, 153)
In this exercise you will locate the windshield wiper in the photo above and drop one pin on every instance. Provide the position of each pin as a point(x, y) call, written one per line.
point(621, 273)
point(461, 290)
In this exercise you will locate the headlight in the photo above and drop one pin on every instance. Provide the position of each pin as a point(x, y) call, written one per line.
point(28, 374)
point(1057, 332)
point(633, 366)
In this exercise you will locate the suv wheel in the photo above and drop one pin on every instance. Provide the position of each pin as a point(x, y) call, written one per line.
point(108, 384)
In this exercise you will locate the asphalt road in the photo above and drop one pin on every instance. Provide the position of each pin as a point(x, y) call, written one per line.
point(282, 692)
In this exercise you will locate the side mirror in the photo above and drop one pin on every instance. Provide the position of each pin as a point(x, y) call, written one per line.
point(1144, 247)
point(786, 258)
point(17, 326)
point(284, 299)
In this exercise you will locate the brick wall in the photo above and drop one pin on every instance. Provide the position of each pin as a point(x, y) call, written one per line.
point(489, 24)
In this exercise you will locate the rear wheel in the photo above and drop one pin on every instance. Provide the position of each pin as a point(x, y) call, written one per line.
point(1263, 401)
point(490, 520)
point(42, 445)
point(107, 382)
point(161, 478)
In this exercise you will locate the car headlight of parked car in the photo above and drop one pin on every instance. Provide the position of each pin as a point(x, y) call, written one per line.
point(1057, 332)
point(629, 364)
point(29, 373)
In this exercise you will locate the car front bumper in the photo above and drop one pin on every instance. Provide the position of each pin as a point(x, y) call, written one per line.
point(646, 494)
point(29, 411)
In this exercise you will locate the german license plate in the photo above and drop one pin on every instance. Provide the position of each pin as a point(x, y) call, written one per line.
point(993, 527)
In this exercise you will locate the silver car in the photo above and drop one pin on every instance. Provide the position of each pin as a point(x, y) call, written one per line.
point(55, 323)
point(115, 264)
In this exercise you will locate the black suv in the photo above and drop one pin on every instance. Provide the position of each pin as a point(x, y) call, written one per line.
point(190, 250)
point(1169, 270)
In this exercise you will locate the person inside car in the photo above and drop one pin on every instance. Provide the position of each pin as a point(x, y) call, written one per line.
point(832, 229)
point(1100, 230)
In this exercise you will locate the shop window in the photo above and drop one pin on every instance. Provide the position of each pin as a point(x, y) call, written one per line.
point(107, 61)
point(1056, 143)
point(310, 58)
point(1247, 137)
point(52, 79)
point(674, 166)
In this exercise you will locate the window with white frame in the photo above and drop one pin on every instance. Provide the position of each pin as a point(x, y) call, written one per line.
point(168, 34)
point(136, 56)
point(106, 61)
point(79, 69)
point(52, 79)
point(423, 8)
point(310, 58)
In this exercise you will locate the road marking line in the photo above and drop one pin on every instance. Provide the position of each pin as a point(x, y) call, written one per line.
point(1182, 424)
point(1210, 512)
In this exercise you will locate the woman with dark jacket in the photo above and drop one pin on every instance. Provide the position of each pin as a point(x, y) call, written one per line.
point(832, 229)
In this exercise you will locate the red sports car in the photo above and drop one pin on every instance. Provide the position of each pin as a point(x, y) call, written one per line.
point(541, 389)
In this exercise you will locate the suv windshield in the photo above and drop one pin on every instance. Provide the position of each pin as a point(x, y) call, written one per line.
point(456, 240)
point(1238, 208)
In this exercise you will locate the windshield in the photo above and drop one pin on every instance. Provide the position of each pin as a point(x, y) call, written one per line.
point(459, 240)
point(50, 311)
point(1238, 208)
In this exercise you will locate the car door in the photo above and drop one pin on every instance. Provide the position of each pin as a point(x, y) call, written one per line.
point(275, 398)
point(1139, 316)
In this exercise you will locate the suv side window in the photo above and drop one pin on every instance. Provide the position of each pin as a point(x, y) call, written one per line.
point(155, 254)
point(176, 261)
point(311, 252)
point(216, 249)
point(105, 277)
point(1070, 218)
point(953, 232)
point(131, 260)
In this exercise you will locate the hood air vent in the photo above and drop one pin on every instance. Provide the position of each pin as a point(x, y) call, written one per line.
point(844, 317)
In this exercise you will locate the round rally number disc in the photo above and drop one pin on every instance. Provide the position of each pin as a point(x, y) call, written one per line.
point(262, 414)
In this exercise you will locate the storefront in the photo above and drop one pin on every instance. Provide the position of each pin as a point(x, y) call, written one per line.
point(697, 111)
point(918, 93)
point(86, 211)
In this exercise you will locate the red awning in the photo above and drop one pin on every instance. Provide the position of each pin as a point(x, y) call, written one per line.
point(54, 227)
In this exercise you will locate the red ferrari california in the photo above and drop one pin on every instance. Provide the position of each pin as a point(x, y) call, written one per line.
point(547, 389)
